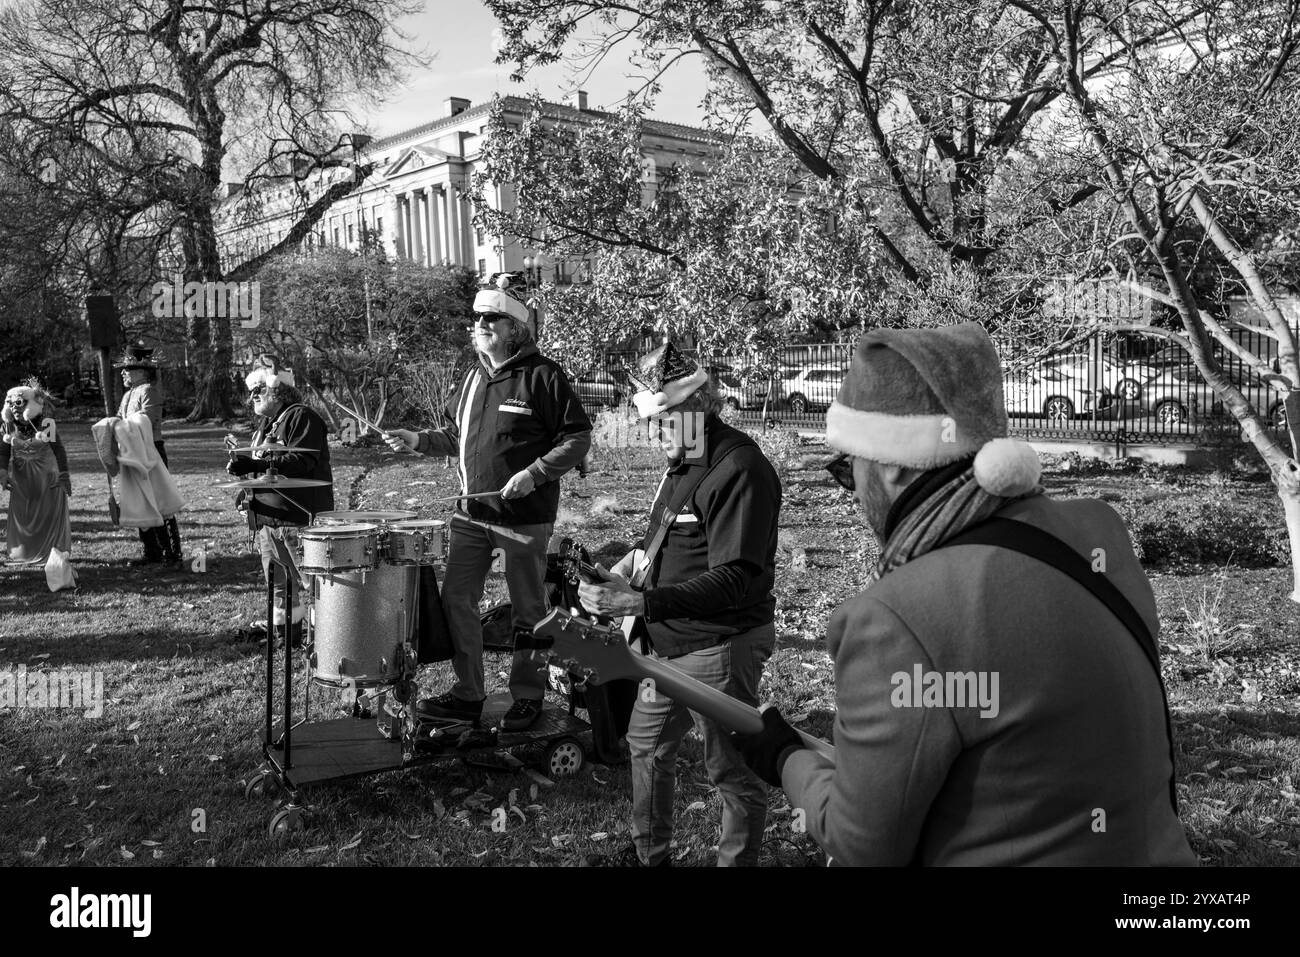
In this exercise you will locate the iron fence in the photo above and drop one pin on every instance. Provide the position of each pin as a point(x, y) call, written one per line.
point(1117, 388)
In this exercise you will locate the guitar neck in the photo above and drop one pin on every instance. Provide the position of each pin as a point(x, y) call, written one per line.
point(713, 703)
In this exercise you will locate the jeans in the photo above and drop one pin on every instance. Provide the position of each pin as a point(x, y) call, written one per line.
point(470, 553)
point(656, 731)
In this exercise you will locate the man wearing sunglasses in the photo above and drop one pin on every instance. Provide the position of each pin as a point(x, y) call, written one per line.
point(701, 583)
point(990, 709)
point(517, 427)
point(283, 419)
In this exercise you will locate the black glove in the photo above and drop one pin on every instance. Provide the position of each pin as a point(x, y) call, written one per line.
point(766, 751)
point(244, 464)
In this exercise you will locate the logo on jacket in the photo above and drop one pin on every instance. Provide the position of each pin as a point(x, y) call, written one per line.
point(517, 406)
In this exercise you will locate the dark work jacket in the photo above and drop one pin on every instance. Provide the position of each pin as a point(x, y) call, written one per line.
point(713, 578)
point(300, 426)
point(523, 415)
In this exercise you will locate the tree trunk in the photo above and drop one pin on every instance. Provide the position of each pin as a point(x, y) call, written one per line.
point(1289, 493)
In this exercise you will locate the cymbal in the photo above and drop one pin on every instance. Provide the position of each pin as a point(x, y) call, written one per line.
point(273, 448)
point(275, 482)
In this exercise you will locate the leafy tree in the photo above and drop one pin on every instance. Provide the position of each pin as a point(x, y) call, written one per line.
point(353, 324)
point(983, 146)
point(159, 97)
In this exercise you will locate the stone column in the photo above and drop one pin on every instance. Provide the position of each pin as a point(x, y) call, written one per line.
point(435, 226)
point(394, 241)
point(417, 225)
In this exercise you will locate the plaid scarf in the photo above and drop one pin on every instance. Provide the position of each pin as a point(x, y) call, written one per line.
point(938, 506)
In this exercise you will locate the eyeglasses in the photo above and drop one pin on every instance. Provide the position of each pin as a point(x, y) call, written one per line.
point(256, 391)
point(841, 469)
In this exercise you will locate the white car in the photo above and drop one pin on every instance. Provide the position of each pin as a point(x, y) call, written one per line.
point(1125, 380)
point(812, 387)
point(1051, 393)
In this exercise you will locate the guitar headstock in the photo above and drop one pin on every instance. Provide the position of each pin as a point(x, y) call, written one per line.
point(572, 562)
point(597, 652)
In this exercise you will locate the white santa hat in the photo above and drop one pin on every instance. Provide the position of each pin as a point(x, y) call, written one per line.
point(664, 378)
point(268, 371)
point(502, 297)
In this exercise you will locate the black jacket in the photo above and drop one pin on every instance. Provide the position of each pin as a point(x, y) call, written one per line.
point(300, 426)
point(523, 415)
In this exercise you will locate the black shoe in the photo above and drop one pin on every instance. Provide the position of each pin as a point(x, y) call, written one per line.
point(521, 715)
point(447, 705)
point(627, 857)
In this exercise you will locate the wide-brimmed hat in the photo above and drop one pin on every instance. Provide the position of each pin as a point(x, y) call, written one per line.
point(137, 356)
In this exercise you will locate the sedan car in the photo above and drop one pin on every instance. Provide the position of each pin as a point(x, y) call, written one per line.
point(738, 393)
point(1055, 395)
point(599, 389)
point(1177, 395)
point(1125, 380)
point(812, 387)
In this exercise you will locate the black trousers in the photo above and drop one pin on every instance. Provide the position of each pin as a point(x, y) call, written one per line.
point(164, 541)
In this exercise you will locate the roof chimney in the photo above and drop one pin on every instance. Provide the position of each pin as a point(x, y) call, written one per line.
point(455, 104)
point(579, 100)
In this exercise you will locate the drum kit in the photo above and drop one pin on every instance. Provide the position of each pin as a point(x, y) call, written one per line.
point(360, 573)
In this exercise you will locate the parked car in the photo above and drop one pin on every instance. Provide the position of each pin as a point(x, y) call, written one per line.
point(812, 387)
point(599, 389)
point(1124, 379)
point(1054, 394)
point(1174, 395)
point(739, 393)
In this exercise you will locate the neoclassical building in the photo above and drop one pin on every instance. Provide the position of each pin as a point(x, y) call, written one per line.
point(416, 202)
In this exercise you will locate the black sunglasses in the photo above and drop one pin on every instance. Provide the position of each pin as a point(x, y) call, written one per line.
point(841, 469)
point(256, 391)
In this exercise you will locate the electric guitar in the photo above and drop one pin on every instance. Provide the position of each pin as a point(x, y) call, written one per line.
point(576, 569)
point(599, 653)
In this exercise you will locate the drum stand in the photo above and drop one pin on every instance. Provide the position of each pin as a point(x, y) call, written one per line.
point(314, 752)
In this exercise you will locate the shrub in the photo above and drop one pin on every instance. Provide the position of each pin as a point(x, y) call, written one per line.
point(1213, 526)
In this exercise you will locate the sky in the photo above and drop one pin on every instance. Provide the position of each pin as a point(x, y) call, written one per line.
point(460, 35)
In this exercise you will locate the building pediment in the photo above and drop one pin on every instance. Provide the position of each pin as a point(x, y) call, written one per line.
point(417, 157)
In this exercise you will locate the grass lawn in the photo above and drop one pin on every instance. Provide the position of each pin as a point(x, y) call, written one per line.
point(183, 711)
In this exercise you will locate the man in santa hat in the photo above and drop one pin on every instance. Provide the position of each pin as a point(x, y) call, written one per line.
point(517, 427)
point(997, 686)
point(283, 419)
point(701, 585)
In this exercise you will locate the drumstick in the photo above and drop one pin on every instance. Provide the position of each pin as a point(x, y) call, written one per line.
point(360, 418)
point(457, 498)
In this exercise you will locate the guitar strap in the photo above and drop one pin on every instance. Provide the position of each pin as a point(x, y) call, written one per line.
point(1047, 548)
point(726, 445)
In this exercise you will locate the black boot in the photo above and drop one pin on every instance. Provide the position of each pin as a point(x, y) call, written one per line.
point(170, 538)
point(153, 551)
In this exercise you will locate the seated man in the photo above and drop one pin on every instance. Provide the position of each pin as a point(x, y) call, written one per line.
point(283, 420)
point(517, 427)
point(990, 710)
point(703, 585)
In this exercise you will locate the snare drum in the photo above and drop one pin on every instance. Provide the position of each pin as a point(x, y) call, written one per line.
point(327, 549)
point(420, 542)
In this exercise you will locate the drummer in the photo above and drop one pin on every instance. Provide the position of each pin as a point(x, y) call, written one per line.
point(516, 426)
point(283, 419)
